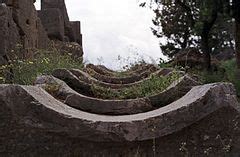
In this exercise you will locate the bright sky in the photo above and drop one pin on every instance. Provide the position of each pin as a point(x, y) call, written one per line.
point(113, 28)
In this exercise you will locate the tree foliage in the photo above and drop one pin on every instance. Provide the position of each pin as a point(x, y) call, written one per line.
point(192, 23)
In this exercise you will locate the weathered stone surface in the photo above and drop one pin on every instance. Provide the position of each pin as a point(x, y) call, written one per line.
point(41, 112)
point(53, 22)
point(76, 26)
point(91, 80)
point(62, 28)
point(131, 106)
point(73, 81)
point(43, 40)
point(195, 140)
point(175, 91)
point(107, 72)
point(68, 48)
point(25, 15)
point(120, 80)
point(9, 36)
point(23, 28)
point(55, 87)
point(113, 107)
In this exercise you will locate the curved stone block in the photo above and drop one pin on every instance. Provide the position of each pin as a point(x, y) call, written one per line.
point(107, 72)
point(116, 107)
point(132, 106)
point(175, 91)
point(59, 89)
point(73, 81)
point(41, 112)
point(120, 80)
point(89, 79)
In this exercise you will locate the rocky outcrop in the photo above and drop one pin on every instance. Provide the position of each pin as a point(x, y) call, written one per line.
point(30, 30)
point(22, 32)
point(40, 112)
point(9, 35)
point(55, 19)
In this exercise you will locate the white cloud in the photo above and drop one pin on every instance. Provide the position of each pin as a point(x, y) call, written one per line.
point(111, 28)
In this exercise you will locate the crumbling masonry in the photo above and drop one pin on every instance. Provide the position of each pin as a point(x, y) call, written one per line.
point(25, 27)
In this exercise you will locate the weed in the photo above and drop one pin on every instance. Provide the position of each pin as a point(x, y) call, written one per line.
point(149, 87)
point(25, 71)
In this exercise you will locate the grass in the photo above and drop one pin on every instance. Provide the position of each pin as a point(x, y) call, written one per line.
point(231, 73)
point(226, 72)
point(24, 72)
point(154, 85)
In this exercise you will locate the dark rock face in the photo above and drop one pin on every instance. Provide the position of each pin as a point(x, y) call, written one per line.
point(54, 24)
point(76, 26)
point(29, 25)
point(21, 27)
point(39, 124)
point(9, 35)
point(89, 79)
point(55, 19)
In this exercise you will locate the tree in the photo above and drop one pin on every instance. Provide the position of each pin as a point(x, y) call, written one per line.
point(191, 23)
point(236, 15)
point(173, 26)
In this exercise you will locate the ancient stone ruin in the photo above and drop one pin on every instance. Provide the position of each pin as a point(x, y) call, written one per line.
point(54, 17)
point(59, 116)
point(67, 114)
point(24, 29)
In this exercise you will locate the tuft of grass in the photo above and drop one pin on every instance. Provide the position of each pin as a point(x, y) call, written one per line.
point(227, 72)
point(147, 88)
point(231, 73)
point(24, 72)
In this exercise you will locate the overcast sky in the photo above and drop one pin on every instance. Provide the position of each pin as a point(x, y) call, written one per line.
point(113, 28)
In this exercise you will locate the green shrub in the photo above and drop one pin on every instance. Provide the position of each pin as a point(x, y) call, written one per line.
point(226, 73)
point(149, 87)
point(25, 71)
point(231, 73)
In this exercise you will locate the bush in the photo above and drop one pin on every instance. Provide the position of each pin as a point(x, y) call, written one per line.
point(226, 72)
point(149, 87)
point(231, 73)
point(24, 72)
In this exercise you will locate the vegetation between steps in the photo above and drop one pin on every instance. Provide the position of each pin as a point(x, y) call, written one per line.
point(154, 85)
point(24, 72)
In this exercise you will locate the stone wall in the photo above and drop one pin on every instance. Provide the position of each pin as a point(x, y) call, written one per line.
point(24, 29)
point(55, 19)
point(22, 26)
point(9, 35)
